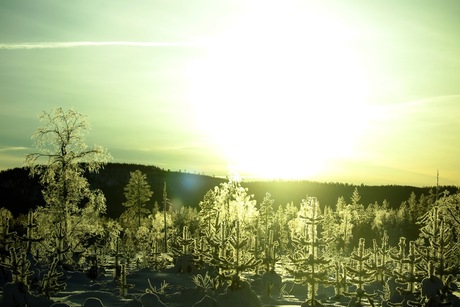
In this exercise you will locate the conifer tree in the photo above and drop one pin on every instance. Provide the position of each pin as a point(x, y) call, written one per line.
point(283, 216)
point(7, 238)
point(266, 215)
point(266, 233)
point(256, 246)
point(166, 206)
point(410, 275)
point(414, 208)
point(309, 266)
point(451, 206)
point(384, 251)
point(360, 275)
point(345, 224)
point(238, 259)
point(19, 266)
point(373, 262)
point(185, 241)
point(359, 217)
point(122, 282)
point(439, 236)
point(339, 283)
point(329, 231)
point(30, 237)
point(137, 193)
point(399, 256)
point(229, 215)
point(52, 280)
point(355, 198)
point(271, 253)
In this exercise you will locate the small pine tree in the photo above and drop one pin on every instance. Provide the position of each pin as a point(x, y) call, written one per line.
point(345, 225)
point(359, 275)
point(270, 252)
point(409, 276)
point(329, 232)
point(384, 251)
point(228, 216)
point(438, 234)
point(339, 283)
point(51, 283)
point(123, 283)
point(400, 256)
point(166, 206)
point(237, 260)
point(374, 261)
point(30, 237)
point(7, 239)
point(309, 266)
point(266, 214)
point(185, 241)
point(183, 252)
point(117, 254)
point(19, 267)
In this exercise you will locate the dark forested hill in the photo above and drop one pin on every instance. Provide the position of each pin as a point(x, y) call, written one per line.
point(328, 193)
point(19, 192)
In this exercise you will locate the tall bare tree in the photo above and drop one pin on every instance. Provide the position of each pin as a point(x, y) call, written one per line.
point(61, 160)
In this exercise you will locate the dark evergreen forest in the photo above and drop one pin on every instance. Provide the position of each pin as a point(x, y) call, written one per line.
point(19, 192)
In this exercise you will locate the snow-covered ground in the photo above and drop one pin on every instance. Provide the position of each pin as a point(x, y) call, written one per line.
point(179, 291)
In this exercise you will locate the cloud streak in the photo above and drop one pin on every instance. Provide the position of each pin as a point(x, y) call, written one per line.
point(13, 148)
point(430, 100)
point(61, 45)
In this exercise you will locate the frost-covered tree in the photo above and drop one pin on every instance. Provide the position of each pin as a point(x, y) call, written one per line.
point(30, 237)
point(265, 233)
point(360, 275)
point(414, 208)
point(229, 215)
point(166, 205)
point(355, 198)
point(283, 215)
point(330, 232)
point(137, 192)
point(267, 213)
point(359, 218)
point(61, 159)
point(451, 206)
point(309, 266)
point(345, 225)
point(440, 238)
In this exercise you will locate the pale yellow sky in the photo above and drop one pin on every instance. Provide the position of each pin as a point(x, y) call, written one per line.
point(357, 92)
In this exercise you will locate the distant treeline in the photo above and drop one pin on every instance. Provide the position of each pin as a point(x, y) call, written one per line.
point(19, 192)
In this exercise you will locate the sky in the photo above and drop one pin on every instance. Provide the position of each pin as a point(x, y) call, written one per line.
point(336, 91)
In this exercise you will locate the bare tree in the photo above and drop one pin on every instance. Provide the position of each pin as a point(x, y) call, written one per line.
point(61, 160)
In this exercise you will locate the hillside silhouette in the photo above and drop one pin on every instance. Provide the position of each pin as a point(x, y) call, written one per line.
point(19, 192)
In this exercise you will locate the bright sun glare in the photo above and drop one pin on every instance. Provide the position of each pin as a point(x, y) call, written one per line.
point(280, 92)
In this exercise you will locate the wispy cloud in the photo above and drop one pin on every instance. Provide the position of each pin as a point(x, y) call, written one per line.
point(430, 100)
point(58, 45)
point(12, 148)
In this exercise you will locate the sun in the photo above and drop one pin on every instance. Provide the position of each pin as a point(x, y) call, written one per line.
point(280, 93)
